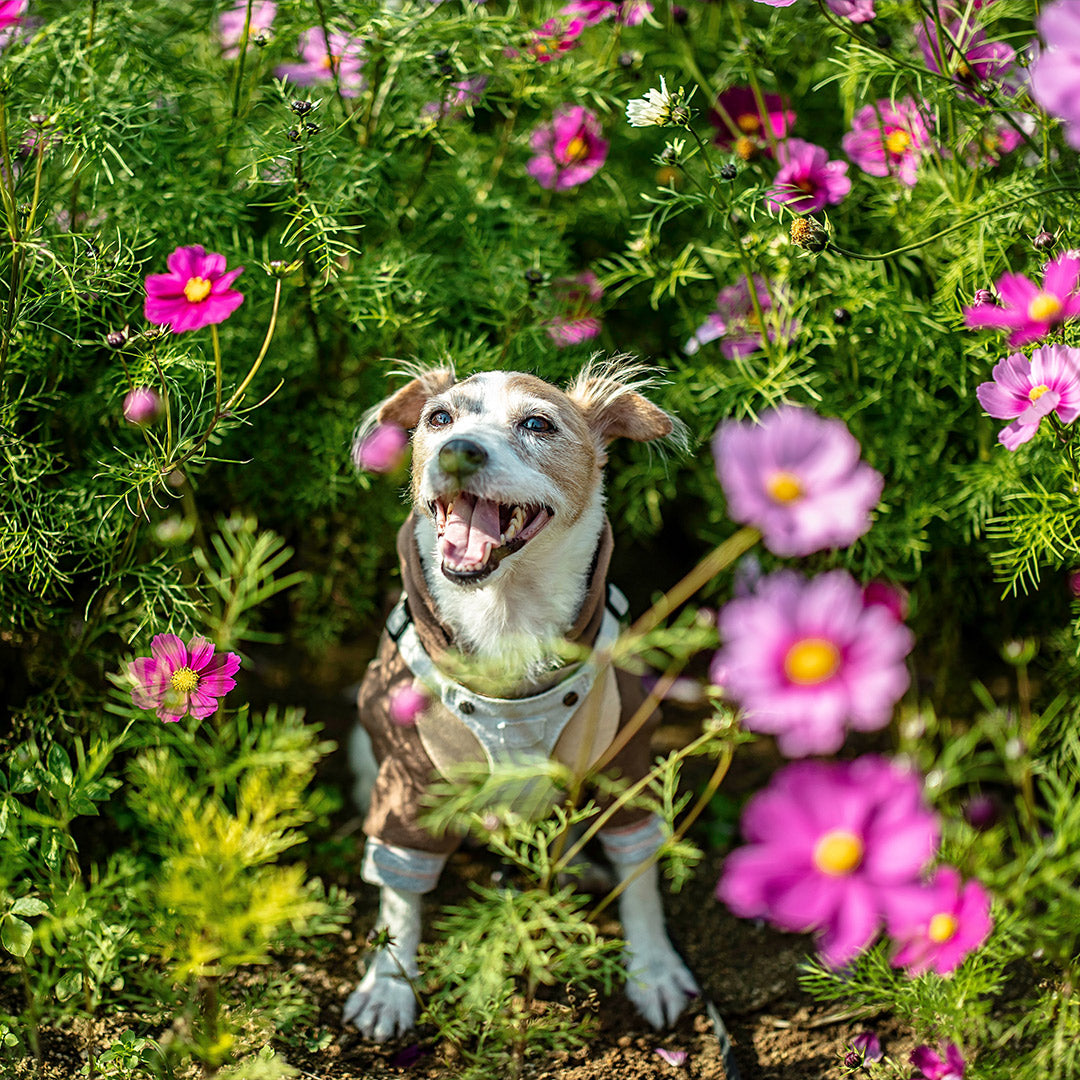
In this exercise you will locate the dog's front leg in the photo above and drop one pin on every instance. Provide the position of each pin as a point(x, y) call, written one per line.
point(657, 981)
point(383, 1005)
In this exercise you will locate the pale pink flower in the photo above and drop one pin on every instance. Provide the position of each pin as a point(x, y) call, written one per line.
point(734, 321)
point(231, 25)
point(176, 680)
point(888, 140)
point(858, 11)
point(578, 319)
point(1055, 74)
point(142, 406)
point(345, 56)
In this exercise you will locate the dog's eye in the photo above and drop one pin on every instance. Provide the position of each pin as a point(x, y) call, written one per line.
point(538, 425)
point(439, 418)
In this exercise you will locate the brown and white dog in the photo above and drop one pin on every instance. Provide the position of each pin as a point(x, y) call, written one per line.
point(504, 555)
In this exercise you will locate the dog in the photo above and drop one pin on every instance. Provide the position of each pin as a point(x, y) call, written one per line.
point(505, 552)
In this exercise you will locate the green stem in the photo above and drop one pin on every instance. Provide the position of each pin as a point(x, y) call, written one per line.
point(241, 60)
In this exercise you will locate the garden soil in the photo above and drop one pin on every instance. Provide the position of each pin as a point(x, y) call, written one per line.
point(747, 970)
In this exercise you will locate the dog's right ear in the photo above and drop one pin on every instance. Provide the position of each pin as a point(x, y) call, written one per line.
point(404, 407)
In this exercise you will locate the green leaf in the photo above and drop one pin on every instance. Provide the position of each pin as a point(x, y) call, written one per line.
point(29, 905)
point(59, 764)
point(15, 935)
point(69, 985)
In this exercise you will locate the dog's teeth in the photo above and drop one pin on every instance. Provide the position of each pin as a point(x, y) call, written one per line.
point(511, 532)
point(449, 508)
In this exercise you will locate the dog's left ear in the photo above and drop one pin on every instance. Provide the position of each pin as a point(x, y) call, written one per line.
point(614, 409)
point(404, 407)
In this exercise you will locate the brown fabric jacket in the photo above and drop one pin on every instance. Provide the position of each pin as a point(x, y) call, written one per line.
point(406, 770)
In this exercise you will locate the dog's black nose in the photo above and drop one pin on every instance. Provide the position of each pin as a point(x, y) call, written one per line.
point(460, 458)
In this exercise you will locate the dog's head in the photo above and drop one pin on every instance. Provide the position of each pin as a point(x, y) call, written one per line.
point(503, 460)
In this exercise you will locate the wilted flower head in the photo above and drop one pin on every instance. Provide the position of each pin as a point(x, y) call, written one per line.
point(807, 179)
point(933, 1066)
point(1055, 74)
point(661, 108)
point(807, 659)
point(142, 406)
point(828, 842)
point(1030, 390)
point(382, 450)
point(1028, 311)
point(569, 150)
point(344, 55)
point(798, 478)
point(888, 140)
point(176, 680)
point(577, 298)
point(231, 25)
point(741, 125)
point(195, 293)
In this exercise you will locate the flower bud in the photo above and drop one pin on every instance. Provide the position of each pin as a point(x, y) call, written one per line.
point(841, 316)
point(728, 171)
point(142, 406)
point(980, 812)
point(116, 339)
point(679, 15)
point(1074, 583)
point(1043, 241)
point(533, 276)
point(807, 233)
point(302, 108)
point(293, 135)
point(983, 296)
point(1019, 651)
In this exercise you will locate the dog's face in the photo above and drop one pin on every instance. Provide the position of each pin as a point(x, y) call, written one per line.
point(504, 460)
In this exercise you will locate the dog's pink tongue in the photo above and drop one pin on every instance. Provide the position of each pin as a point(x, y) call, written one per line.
point(472, 530)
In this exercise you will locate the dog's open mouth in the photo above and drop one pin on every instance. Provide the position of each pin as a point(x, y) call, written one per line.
point(476, 534)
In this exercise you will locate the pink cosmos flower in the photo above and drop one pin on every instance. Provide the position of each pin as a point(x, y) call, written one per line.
point(887, 140)
point(11, 12)
point(676, 1058)
point(195, 292)
point(995, 141)
point(976, 61)
point(142, 406)
point(382, 450)
point(931, 1066)
point(462, 95)
point(936, 925)
point(1055, 74)
point(828, 842)
point(740, 124)
point(858, 11)
point(345, 55)
point(891, 597)
point(807, 658)
point(569, 150)
point(807, 180)
point(231, 25)
point(1030, 390)
point(554, 37)
point(577, 298)
point(735, 322)
point(868, 1045)
point(627, 13)
point(1027, 310)
point(406, 704)
point(798, 478)
point(177, 680)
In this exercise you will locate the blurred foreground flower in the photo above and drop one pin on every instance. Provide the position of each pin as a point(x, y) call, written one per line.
point(936, 925)
point(932, 1066)
point(828, 844)
point(177, 680)
point(1055, 74)
point(569, 150)
point(344, 55)
point(888, 140)
point(577, 298)
point(382, 450)
point(142, 406)
point(1025, 309)
point(798, 478)
point(1030, 390)
point(11, 11)
point(407, 703)
point(806, 659)
point(195, 292)
point(807, 180)
point(231, 25)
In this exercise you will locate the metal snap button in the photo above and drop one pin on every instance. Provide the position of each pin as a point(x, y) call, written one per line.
point(570, 699)
point(467, 707)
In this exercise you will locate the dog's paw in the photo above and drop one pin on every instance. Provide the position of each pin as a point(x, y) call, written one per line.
point(659, 984)
point(382, 1006)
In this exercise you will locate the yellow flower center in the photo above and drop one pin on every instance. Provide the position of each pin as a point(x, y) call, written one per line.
point(811, 661)
point(1037, 392)
point(184, 680)
point(896, 142)
point(963, 71)
point(197, 289)
point(784, 487)
point(748, 123)
point(745, 147)
point(1044, 307)
point(838, 853)
point(942, 927)
point(577, 149)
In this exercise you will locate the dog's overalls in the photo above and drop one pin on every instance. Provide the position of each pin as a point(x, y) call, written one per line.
point(575, 720)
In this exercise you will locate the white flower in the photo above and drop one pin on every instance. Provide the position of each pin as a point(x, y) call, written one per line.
point(658, 108)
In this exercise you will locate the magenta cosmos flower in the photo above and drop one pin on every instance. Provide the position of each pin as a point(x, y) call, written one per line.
point(888, 140)
point(808, 658)
point(626, 13)
point(382, 450)
point(933, 1066)
point(556, 36)
point(195, 292)
point(231, 25)
point(936, 925)
point(807, 179)
point(976, 60)
point(1055, 74)
point(569, 150)
point(176, 680)
point(1028, 311)
point(577, 320)
point(1030, 390)
point(798, 478)
point(741, 125)
point(828, 842)
point(11, 12)
point(345, 55)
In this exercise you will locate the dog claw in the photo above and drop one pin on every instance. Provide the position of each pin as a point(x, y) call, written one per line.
point(659, 986)
point(381, 1007)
